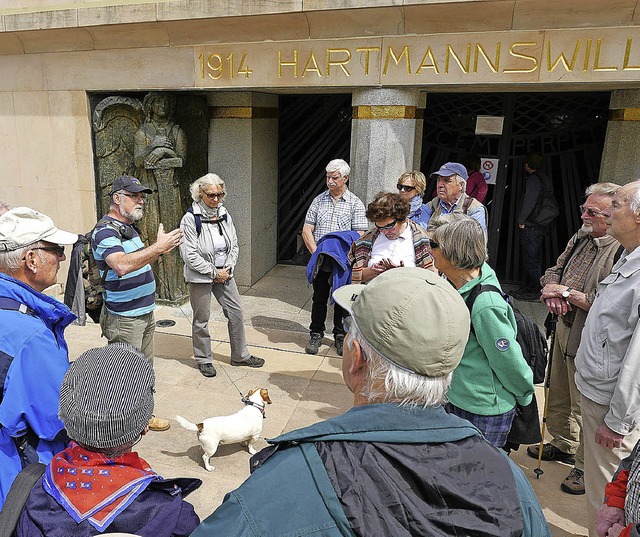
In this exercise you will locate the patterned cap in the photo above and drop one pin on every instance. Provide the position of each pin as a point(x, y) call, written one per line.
point(106, 397)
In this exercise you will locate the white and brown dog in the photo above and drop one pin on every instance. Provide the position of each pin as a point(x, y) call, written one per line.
point(243, 426)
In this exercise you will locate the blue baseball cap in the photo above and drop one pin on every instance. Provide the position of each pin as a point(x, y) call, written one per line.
point(130, 184)
point(452, 168)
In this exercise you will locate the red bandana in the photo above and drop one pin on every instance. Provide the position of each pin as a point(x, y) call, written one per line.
point(92, 487)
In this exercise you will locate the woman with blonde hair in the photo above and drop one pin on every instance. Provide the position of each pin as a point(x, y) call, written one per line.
point(411, 187)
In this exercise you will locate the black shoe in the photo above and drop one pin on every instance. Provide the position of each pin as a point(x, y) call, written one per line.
point(551, 453)
point(252, 361)
point(207, 370)
point(314, 343)
point(339, 343)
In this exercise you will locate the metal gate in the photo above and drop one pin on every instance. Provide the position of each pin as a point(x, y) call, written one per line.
point(313, 129)
point(567, 128)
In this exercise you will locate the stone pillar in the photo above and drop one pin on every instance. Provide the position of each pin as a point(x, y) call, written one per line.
point(619, 163)
point(386, 137)
point(243, 151)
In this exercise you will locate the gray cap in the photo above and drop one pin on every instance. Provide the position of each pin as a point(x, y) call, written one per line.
point(23, 226)
point(106, 397)
point(412, 317)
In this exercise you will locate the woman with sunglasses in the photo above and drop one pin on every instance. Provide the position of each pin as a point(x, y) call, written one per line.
point(493, 375)
point(395, 241)
point(210, 252)
point(411, 187)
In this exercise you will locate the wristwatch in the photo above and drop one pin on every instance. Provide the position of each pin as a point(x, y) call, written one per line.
point(566, 293)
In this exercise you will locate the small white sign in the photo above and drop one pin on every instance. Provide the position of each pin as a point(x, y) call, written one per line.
point(489, 124)
point(489, 168)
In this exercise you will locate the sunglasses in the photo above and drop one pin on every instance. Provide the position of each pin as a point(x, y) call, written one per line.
point(405, 188)
point(591, 212)
point(213, 196)
point(432, 243)
point(57, 250)
point(388, 226)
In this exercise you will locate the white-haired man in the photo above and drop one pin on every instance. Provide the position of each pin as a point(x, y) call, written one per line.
point(396, 463)
point(451, 183)
point(129, 287)
point(336, 209)
point(33, 352)
point(569, 289)
point(608, 358)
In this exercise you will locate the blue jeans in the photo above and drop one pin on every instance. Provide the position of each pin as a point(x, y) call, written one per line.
point(531, 239)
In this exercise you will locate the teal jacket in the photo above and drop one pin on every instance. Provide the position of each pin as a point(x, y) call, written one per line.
point(493, 375)
point(289, 492)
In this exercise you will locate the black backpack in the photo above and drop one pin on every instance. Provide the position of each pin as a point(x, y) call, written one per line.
point(546, 209)
point(529, 337)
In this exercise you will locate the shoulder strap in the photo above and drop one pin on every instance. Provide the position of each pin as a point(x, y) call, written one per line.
point(474, 294)
point(198, 220)
point(617, 256)
point(466, 204)
point(18, 495)
point(7, 303)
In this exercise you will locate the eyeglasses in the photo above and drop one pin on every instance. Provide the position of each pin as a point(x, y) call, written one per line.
point(137, 197)
point(388, 226)
point(591, 212)
point(57, 250)
point(214, 196)
point(432, 243)
point(405, 188)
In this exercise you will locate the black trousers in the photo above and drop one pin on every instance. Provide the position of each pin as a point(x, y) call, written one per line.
point(321, 294)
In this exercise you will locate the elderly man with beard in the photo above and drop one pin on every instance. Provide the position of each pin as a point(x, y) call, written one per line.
point(129, 287)
point(569, 289)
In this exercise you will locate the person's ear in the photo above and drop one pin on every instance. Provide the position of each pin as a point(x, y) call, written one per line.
point(358, 359)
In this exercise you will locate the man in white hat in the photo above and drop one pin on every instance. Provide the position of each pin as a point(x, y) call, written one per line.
point(396, 463)
point(33, 352)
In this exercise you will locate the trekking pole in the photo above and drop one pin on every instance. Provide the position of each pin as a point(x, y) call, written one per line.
point(547, 384)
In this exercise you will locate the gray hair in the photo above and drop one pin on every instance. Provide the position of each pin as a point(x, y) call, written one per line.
point(211, 179)
point(339, 165)
point(10, 261)
point(634, 202)
point(400, 386)
point(461, 240)
point(601, 189)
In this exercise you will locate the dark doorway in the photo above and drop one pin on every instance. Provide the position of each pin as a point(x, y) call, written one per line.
point(313, 130)
point(567, 128)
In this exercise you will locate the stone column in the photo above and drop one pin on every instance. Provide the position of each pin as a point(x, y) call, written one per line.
point(386, 137)
point(619, 163)
point(243, 151)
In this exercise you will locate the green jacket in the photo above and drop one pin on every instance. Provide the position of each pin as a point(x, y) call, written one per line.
point(493, 375)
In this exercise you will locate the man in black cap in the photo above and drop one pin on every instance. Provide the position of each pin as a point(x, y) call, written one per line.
point(129, 285)
point(98, 483)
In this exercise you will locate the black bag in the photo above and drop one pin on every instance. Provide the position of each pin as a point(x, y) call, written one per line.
point(528, 335)
point(546, 209)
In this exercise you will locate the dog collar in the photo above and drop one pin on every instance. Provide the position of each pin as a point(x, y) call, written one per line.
point(249, 402)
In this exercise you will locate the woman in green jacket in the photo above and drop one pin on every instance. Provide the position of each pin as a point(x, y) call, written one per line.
point(493, 375)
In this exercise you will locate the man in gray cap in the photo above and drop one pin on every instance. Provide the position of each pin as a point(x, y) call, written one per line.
point(98, 483)
point(451, 182)
point(396, 463)
point(129, 284)
point(33, 352)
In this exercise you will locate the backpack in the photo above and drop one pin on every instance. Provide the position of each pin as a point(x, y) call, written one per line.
point(528, 335)
point(546, 209)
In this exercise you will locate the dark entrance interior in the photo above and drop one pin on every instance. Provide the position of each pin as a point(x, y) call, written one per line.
point(313, 129)
point(567, 128)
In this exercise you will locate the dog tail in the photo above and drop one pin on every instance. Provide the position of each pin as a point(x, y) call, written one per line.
point(187, 424)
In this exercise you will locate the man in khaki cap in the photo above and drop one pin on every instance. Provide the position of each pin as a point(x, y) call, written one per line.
point(33, 352)
point(396, 463)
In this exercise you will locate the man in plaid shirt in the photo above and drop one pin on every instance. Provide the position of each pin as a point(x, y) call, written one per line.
point(336, 209)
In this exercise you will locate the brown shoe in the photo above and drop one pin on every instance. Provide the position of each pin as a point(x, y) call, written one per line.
point(158, 424)
point(573, 483)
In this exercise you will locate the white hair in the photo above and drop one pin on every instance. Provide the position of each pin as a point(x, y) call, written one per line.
point(339, 165)
point(634, 202)
point(400, 386)
point(211, 179)
point(10, 261)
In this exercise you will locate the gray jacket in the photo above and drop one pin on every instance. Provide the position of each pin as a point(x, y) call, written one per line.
point(198, 252)
point(608, 358)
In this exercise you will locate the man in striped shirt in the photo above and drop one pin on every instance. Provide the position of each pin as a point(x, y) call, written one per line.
point(127, 315)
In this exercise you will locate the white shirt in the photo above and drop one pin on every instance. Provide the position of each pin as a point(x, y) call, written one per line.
point(398, 249)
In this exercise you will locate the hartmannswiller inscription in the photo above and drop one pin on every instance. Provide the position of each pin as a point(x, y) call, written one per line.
point(551, 56)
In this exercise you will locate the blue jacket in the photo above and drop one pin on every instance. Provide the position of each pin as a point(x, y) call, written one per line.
point(290, 492)
point(33, 360)
point(335, 245)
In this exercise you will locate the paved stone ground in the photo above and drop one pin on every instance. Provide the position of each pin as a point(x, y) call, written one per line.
point(304, 389)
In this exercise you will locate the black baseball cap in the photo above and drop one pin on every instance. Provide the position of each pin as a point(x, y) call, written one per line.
point(130, 184)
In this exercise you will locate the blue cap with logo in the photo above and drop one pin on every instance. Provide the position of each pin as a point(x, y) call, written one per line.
point(452, 168)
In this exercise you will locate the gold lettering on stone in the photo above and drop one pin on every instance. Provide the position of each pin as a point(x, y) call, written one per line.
point(596, 61)
point(562, 58)
point(311, 60)
point(452, 53)
point(587, 55)
point(521, 55)
point(431, 65)
point(293, 63)
point(396, 59)
point(626, 66)
point(342, 63)
point(495, 67)
point(367, 52)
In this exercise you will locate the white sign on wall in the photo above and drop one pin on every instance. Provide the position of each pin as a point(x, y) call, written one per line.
point(489, 168)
